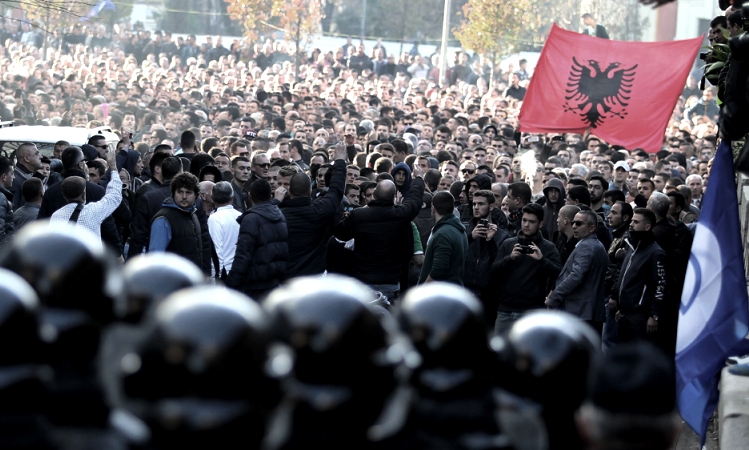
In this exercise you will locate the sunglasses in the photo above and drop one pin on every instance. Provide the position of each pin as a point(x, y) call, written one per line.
point(104, 146)
point(264, 165)
point(578, 223)
point(245, 154)
point(469, 171)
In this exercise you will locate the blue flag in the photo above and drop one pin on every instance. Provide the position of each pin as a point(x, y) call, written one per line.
point(103, 5)
point(713, 315)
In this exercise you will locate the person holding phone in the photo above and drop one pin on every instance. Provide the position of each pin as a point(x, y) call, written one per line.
point(524, 269)
point(485, 236)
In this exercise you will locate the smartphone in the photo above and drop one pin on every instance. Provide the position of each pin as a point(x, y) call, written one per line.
point(533, 139)
point(484, 223)
point(526, 249)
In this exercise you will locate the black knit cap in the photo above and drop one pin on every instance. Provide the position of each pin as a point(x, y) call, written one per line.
point(634, 378)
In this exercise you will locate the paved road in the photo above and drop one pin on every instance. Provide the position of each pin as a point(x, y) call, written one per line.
point(688, 439)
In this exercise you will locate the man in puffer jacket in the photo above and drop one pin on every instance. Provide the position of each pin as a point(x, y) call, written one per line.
point(262, 249)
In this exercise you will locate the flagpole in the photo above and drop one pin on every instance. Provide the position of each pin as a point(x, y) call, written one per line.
point(445, 36)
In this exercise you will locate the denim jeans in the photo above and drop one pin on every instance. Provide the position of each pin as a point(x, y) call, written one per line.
point(505, 321)
point(391, 291)
point(610, 330)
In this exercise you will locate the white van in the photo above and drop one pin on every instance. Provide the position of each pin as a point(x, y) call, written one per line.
point(45, 137)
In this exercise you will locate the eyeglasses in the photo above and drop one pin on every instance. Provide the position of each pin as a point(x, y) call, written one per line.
point(264, 165)
point(468, 171)
point(578, 223)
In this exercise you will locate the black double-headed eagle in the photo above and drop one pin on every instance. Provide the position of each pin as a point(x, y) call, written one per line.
point(596, 94)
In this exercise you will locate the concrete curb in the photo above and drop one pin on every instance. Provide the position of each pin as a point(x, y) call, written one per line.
point(733, 411)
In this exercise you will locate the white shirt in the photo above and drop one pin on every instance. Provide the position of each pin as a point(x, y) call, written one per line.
point(224, 230)
point(94, 213)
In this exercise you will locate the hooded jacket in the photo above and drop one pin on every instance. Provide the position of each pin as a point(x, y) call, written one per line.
point(127, 159)
point(406, 184)
point(446, 252)
point(262, 249)
point(522, 284)
point(551, 210)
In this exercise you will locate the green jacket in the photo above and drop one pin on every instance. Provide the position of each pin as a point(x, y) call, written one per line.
point(446, 251)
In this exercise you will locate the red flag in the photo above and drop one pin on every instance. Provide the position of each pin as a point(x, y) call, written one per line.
point(625, 92)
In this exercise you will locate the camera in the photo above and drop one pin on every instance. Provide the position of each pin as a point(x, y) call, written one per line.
point(526, 249)
point(484, 223)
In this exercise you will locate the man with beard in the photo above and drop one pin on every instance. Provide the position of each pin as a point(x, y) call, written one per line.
point(641, 286)
point(597, 185)
point(555, 198)
point(619, 219)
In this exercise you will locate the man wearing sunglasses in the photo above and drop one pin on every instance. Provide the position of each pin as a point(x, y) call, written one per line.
point(580, 287)
point(467, 171)
point(100, 142)
point(260, 169)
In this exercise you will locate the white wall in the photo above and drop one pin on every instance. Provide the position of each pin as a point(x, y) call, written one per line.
point(690, 11)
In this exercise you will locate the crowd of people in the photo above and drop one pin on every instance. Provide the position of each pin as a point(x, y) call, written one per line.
point(364, 167)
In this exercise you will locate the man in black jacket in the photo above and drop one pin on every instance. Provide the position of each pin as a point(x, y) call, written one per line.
point(28, 161)
point(676, 240)
point(262, 248)
point(74, 165)
point(525, 268)
point(383, 238)
point(484, 239)
point(641, 286)
point(310, 224)
point(149, 199)
point(619, 219)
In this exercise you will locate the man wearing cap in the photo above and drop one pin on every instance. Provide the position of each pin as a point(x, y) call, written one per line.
point(619, 178)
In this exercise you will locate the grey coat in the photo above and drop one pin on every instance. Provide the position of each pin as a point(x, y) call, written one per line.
point(580, 287)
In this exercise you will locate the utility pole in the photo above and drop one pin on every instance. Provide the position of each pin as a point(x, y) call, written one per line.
point(445, 36)
point(363, 19)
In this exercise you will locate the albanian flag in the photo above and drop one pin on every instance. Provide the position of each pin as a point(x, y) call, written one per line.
point(625, 92)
